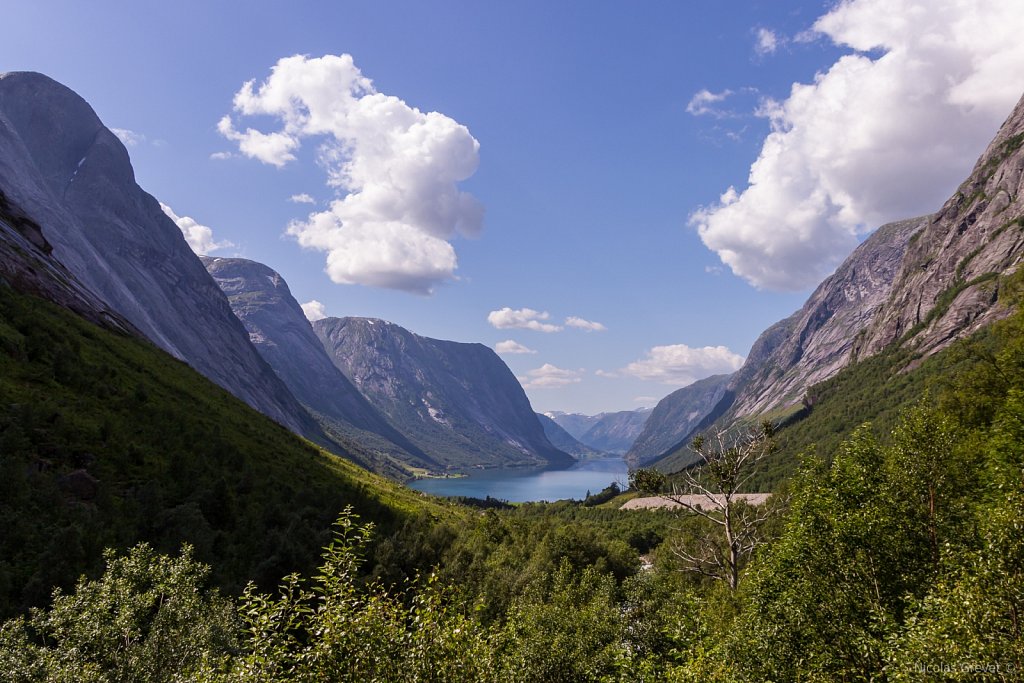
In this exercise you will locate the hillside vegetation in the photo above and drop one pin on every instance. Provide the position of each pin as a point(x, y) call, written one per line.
point(895, 556)
point(106, 440)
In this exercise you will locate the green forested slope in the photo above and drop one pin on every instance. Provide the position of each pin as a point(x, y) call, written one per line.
point(106, 440)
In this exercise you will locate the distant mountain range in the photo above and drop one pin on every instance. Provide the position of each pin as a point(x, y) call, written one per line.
point(564, 441)
point(608, 432)
point(674, 418)
point(279, 330)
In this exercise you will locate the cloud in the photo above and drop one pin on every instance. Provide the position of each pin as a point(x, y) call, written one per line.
point(199, 237)
point(702, 104)
point(314, 310)
point(646, 400)
point(548, 376)
point(767, 42)
point(302, 199)
point(581, 324)
point(220, 156)
point(512, 346)
point(129, 138)
point(397, 167)
point(885, 133)
point(522, 318)
point(680, 364)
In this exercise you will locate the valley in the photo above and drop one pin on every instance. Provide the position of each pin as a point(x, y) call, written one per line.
point(207, 474)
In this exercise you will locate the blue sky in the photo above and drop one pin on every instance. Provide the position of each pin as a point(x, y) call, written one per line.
point(609, 136)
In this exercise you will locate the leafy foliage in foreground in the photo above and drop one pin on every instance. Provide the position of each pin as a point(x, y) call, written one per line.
point(150, 618)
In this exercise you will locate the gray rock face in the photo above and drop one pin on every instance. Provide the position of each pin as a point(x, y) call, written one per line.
point(67, 171)
point(459, 403)
point(820, 337)
point(608, 432)
point(946, 286)
point(279, 330)
point(27, 265)
point(564, 441)
point(675, 418)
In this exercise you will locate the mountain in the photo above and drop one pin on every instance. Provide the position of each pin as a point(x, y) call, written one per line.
point(948, 283)
point(279, 330)
point(27, 264)
point(675, 417)
point(917, 285)
point(820, 337)
point(60, 165)
point(608, 432)
point(459, 403)
point(564, 441)
point(107, 441)
point(615, 432)
point(575, 424)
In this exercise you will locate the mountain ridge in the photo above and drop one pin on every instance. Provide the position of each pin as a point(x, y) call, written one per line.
point(458, 402)
point(279, 330)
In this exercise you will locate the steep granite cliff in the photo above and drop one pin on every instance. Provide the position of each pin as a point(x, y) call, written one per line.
point(821, 335)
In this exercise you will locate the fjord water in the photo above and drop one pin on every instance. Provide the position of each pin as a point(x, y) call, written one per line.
point(520, 486)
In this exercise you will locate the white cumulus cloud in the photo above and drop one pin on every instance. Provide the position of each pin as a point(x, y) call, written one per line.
point(314, 310)
point(397, 167)
point(680, 364)
point(581, 324)
point(548, 376)
point(199, 237)
point(522, 318)
point(302, 199)
point(512, 346)
point(885, 133)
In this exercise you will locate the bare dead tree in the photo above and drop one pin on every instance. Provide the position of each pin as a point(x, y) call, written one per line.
point(711, 489)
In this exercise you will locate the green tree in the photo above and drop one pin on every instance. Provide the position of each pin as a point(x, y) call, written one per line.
point(148, 618)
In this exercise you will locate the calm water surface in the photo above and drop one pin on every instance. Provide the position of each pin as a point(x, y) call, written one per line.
point(518, 486)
